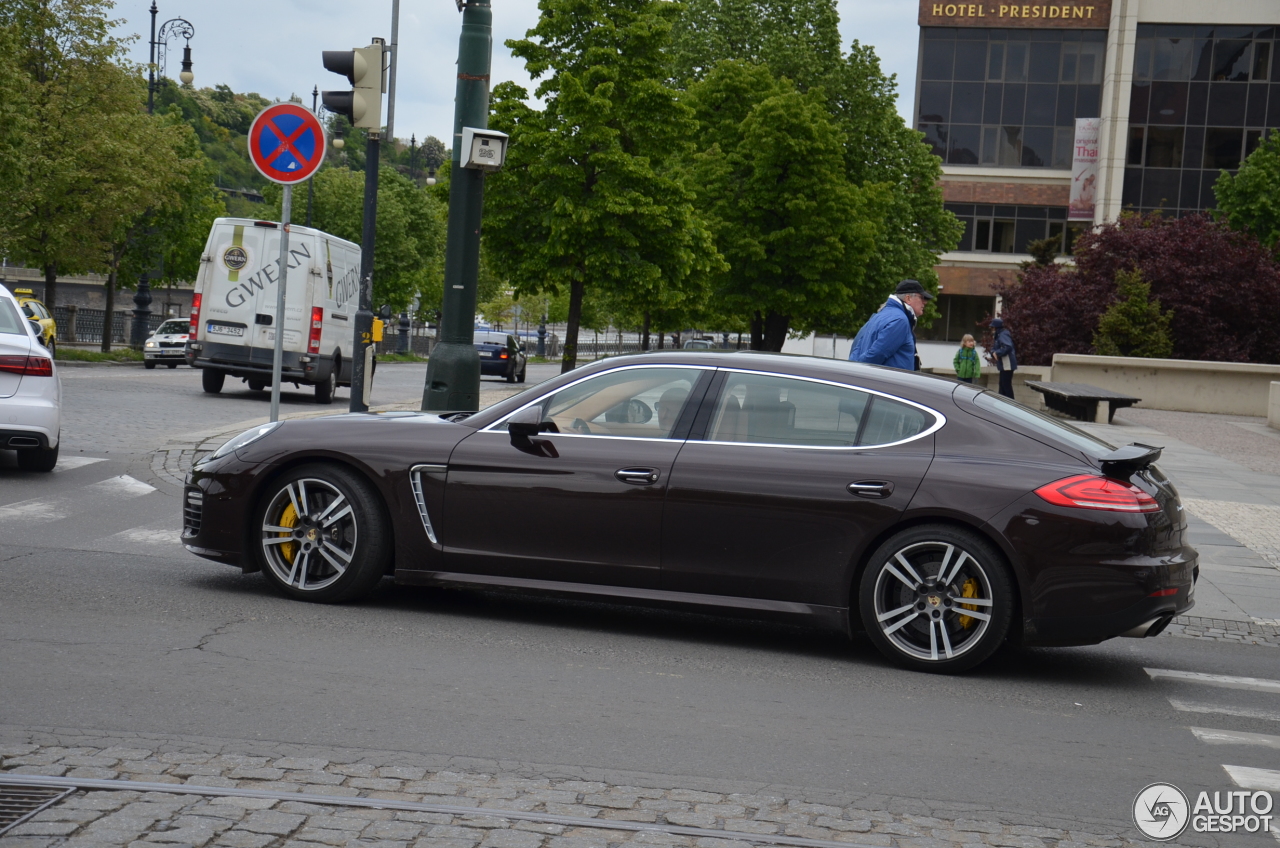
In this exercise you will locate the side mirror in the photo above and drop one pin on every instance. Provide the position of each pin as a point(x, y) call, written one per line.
point(528, 423)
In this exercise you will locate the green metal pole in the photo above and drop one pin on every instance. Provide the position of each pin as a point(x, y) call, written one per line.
point(453, 372)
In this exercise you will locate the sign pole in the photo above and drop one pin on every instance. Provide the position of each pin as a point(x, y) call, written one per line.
point(362, 358)
point(277, 359)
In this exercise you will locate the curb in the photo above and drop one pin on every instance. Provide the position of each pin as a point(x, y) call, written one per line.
point(76, 363)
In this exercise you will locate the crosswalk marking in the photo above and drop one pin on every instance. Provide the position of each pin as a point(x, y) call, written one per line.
point(1235, 737)
point(1254, 778)
point(70, 463)
point(1222, 709)
point(43, 510)
point(1224, 681)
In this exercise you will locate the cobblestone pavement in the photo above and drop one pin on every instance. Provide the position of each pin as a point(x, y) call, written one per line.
point(1241, 439)
point(1224, 630)
point(470, 804)
point(1257, 526)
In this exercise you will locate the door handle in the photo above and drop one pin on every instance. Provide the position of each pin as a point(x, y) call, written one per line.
point(637, 476)
point(871, 489)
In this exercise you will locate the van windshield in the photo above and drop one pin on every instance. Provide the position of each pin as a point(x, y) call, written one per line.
point(10, 322)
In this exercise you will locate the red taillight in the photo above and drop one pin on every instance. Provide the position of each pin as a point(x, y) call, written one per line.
point(1163, 593)
point(317, 324)
point(502, 355)
point(1089, 491)
point(195, 315)
point(27, 366)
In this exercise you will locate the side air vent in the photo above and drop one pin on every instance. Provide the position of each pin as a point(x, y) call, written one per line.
point(415, 478)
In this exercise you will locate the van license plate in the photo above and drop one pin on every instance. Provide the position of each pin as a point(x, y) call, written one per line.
point(226, 331)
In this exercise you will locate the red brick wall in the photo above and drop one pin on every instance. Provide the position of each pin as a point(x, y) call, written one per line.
point(1009, 194)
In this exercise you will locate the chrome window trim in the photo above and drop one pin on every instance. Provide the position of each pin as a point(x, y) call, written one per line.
point(939, 420)
point(415, 480)
point(492, 428)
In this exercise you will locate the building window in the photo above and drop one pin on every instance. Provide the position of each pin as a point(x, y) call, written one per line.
point(1007, 98)
point(1201, 101)
point(1009, 229)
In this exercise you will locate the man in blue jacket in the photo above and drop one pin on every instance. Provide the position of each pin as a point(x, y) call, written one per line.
point(886, 338)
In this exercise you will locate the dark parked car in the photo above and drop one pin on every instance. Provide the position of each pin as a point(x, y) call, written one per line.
point(501, 355)
point(941, 519)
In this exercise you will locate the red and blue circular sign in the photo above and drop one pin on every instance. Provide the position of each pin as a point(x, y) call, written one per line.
point(286, 143)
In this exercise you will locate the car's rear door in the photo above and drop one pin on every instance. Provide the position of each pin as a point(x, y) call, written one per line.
point(790, 478)
point(15, 345)
point(581, 505)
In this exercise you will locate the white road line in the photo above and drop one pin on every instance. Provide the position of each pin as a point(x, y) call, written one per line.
point(44, 510)
point(70, 463)
point(1235, 737)
point(1254, 778)
point(1223, 681)
point(1222, 709)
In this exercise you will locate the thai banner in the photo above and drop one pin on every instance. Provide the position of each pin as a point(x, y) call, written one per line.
point(1084, 170)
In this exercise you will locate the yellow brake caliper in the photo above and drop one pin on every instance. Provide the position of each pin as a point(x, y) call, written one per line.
point(968, 590)
point(289, 518)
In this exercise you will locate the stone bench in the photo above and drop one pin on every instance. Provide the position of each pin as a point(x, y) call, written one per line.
point(1080, 400)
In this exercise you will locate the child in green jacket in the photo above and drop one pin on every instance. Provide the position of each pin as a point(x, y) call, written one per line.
point(966, 361)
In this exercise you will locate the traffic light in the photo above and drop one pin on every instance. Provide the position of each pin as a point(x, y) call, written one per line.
point(362, 66)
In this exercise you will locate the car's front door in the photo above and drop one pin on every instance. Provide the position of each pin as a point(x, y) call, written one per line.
point(791, 477)
point(582, 502)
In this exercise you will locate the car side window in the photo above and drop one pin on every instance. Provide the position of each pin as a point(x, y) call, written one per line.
point(633, 402)
point(10, 323)
point(42, 311)
point(773, 410)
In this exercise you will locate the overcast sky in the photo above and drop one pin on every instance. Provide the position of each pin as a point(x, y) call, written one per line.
point(273, 48)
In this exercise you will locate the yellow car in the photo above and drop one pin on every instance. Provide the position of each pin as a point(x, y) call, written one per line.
point(36, 311)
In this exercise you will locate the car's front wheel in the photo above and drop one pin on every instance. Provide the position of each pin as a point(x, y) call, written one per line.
point(936, 598)
point(323, 534)
point(150, 365)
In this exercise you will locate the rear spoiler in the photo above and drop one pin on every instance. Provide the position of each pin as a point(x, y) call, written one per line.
point(1122, 462)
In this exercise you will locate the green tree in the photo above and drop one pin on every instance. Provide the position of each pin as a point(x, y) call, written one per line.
point(799, 40)
point(1134, 325)
point(83, 100)
point(1250, 199)
point(15, 122)
point(796, 234)
point(409, 248)
point(585, 199)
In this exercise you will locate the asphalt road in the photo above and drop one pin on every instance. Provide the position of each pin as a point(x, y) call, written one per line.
point(108, 624)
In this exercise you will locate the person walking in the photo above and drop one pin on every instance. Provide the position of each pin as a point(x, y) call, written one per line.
point(966, 360)
point(1004, 355)
point(887, 337)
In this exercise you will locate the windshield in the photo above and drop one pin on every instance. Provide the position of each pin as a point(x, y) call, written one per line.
point(174, 326)
point(1054, 428)
point(10, 322)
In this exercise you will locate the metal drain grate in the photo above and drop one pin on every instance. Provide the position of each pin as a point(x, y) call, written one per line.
point(20, 802)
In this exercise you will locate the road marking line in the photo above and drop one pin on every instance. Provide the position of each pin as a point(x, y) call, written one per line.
point(1254, 778)
point(1257, 684)
point(38, 510)
point(1235, 737)
point(71, 463)
point(1221, 709)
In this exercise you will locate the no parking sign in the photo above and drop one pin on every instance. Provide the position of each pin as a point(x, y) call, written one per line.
point(286, 143)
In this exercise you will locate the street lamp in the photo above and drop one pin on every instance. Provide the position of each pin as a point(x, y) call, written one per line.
point(179, 28)
point(311, 183)
point(413, 158)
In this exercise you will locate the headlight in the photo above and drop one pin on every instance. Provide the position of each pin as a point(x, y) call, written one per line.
point(245, 438)
point(151, 344)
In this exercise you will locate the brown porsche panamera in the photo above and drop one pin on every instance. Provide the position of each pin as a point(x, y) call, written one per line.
point(941, 519)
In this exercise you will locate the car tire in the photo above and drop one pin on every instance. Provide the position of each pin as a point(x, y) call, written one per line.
point(256, 385)
point(326, 388)
point(171, 365)
point(52, 347)
point(523, 373)
point(39, 459)
point(340, 545)
point(924, 619)
point(510, 376)
point(211, 380)
point(150, 365)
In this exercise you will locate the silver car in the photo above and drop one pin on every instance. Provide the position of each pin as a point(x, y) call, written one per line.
point(30, 391)
point(167, 344)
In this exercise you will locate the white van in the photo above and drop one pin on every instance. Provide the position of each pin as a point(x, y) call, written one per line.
point(233, 319)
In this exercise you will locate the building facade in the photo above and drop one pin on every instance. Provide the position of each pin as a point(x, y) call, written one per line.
point(1178, 92)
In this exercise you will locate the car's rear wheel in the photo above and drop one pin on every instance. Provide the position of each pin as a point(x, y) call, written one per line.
point(323, 534)
point(38, 459)
point(326, 388)
point(212, 380)
point(936, 598)
point(523, 371)
point(257, 385)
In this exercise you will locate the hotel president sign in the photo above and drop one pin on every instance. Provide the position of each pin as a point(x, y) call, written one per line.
point(1074, 14)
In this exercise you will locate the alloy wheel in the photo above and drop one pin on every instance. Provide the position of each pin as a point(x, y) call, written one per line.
point(309, 534)
point(933, 600)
